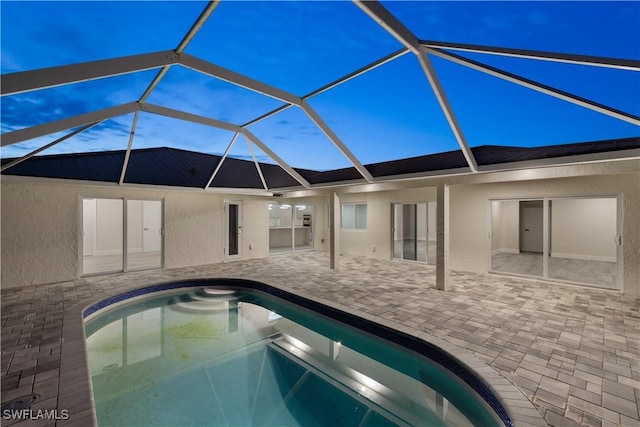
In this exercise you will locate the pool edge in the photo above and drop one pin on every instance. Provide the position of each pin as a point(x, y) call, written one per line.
point(75, 390)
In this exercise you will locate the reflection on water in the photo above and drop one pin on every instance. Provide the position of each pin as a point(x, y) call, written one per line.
point(214, 358)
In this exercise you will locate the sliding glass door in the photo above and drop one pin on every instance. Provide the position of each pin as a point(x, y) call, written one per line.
point(102, 235)
point(571, 239)
point(144, 234)
point(413, 234)
point(517, 237)
point(583, 241)
point(290, 227)
point(303, 221)
point(120, 235)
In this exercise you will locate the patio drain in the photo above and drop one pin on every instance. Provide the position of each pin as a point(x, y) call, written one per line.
point(20, 403)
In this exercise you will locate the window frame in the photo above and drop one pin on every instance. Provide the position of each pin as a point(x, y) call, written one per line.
point(353, 220)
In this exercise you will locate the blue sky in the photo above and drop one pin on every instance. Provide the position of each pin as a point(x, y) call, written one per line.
point(386, 114)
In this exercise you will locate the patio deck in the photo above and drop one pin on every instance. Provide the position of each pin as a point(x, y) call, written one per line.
point(573, 352)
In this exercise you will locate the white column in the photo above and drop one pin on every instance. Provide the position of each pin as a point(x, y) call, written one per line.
point(442, 236)
point(334, 231)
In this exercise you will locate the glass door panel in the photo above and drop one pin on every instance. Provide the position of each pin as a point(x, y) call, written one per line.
point(410, 231)
point(280, 222)
point(431, 232)
point(144, 234)
point(233, 229)
point(397, 231)
point(102, 236)
point(517, 237)
point(583, 241)
point(303, 221)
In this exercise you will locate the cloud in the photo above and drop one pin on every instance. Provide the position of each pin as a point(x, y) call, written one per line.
point(262, 159)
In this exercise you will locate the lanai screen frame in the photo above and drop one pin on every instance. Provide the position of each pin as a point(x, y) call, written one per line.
point(423, 50)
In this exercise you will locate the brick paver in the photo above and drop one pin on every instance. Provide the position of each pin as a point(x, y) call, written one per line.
point(574, 352)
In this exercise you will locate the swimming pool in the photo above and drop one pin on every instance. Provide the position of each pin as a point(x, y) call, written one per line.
point(239, 353)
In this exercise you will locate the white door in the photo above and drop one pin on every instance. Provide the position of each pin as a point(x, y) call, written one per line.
point(232, 229)
point(88, 226)
point(152, 225)
point(531, 226)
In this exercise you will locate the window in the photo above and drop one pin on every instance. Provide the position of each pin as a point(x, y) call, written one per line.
point(354, 216)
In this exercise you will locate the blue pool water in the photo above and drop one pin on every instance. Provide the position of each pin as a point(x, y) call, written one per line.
point(242, 357)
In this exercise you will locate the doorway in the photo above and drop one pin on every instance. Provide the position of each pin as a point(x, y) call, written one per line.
point(291, 227)
point(120, 235)
point(144, 234)
point(569, 239)
point(413, 232)
point(531, 222)
point(232, 229)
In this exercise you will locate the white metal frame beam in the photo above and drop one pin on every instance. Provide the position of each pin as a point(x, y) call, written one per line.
point(398, 30)
point(331, 85)
point(237, 79)
point(25, 81)
point(189, 117)
point(9, 138)
point(539, 87)
point(248, 134)
point(595, 61)
point(311, 113)
point(382, 61)
point(164, 111)
point(49, 145)
point(390, 23)
point(200, 21)
point(39, 79)
point(125, 164)
point(258, 168)
point(224, 156)
point(438, 90)
point(264, 89)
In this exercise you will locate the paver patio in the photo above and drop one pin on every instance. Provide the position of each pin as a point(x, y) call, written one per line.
point(574, 352)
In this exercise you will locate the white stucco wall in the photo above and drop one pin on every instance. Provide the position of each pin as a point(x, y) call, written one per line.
point(41, 225)
point(39, 234)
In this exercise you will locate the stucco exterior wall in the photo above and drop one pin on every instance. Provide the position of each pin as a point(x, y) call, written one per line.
point(39, 234)
point(41, 225)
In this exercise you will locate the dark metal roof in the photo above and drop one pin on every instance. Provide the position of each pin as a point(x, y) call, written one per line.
point(181, 168)
point(492, 154)
point(103, 166)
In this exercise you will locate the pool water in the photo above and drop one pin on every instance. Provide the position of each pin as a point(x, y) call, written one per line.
point(241, 357)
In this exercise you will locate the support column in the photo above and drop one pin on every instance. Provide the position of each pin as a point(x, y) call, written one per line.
point(334, 231)
point(442, 237)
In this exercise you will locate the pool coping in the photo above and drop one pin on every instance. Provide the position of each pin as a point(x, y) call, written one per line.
point(75, 392)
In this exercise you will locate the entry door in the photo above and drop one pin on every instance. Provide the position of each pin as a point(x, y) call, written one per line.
point(531, 231)
point(88, 226)
point(410, 231)
point(152, 226)
point(233, 229)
